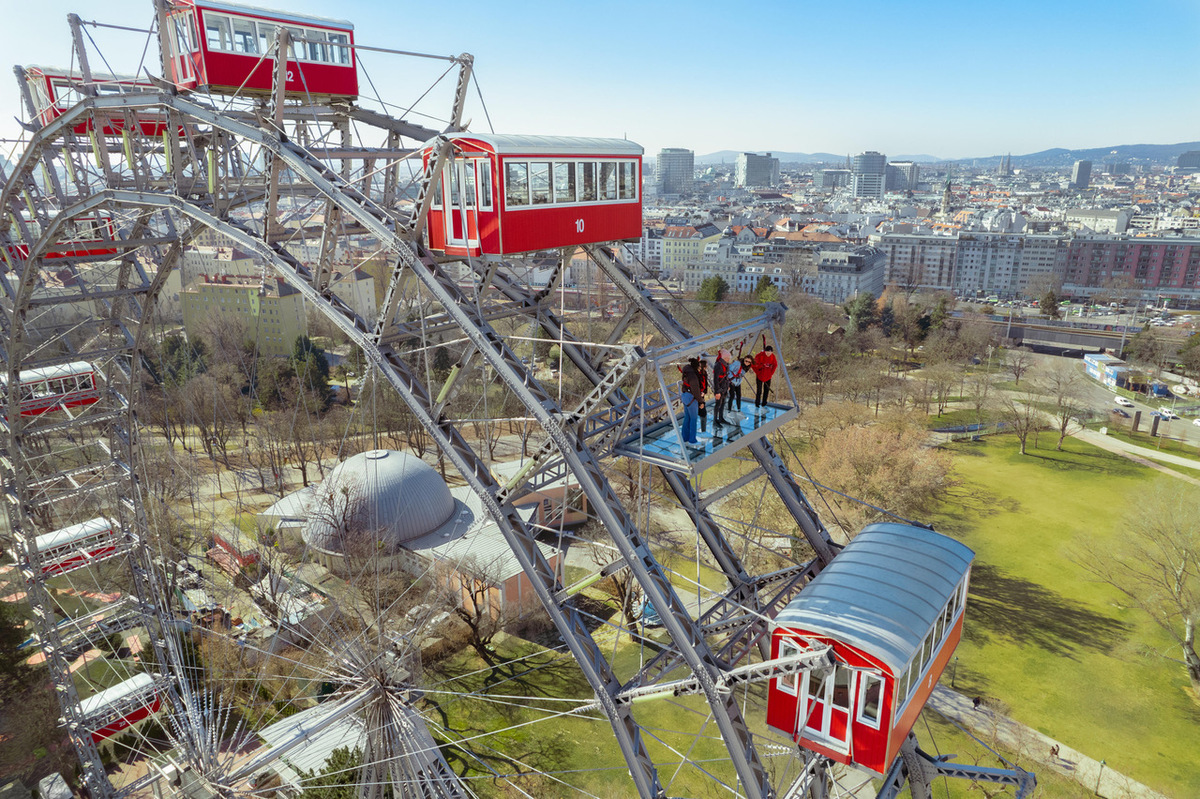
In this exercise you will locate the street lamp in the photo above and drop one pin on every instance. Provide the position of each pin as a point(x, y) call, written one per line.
point(953, 671)
point(1098, 774)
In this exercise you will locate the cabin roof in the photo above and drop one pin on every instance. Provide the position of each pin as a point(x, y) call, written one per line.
point(273, 13)
point(59, 370)
point(549, 145)
point(76, 531)
point(108, 696)
point(883, 592)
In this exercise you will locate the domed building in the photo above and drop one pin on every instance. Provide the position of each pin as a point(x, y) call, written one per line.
point(390, 497)
point(386, 509)
point(384, 504)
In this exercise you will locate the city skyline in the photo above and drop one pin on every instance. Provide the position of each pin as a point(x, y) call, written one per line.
point(945, 79)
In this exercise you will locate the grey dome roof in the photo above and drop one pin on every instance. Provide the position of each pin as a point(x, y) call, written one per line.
point(383, 496)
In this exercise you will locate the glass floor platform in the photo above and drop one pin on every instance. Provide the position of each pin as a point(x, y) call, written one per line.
point(661, 445)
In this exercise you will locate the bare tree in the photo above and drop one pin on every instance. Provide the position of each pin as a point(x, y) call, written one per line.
point(1154, 561)
point(1019, 361)
point(885, 465)
point(1019, 412)
point(1064, 384)
point(477, 593)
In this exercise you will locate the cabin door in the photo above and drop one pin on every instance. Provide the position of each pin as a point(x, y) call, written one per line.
point(825, 704)
point(461, 202)
point(182, 43)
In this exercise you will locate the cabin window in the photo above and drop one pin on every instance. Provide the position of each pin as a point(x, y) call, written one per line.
point(564, 182)
point(927, 650)
point(914, 674)
point(485, 185)
point(587, 182)
point(539, 182)
point(317, 50)
point(789, 683)
point(939, 627)
point(41, 99)
point(516, 183)
point(244, 39)
point(628, 181)
point(841, 687)
point(455, 192)
point(608, 180)
point(469, 184)
point(437, 192)
point(870, 688)
point(266, 37)
point(183, 27)
point(217, 31)
point(339, 50)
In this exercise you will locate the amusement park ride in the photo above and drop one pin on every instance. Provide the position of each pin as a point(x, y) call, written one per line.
point(805, 677)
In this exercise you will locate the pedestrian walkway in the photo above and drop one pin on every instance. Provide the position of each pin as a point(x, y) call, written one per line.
point(1141, 455)
point(999, 730)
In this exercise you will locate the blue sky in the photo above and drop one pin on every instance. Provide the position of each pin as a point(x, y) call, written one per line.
point(952, 79)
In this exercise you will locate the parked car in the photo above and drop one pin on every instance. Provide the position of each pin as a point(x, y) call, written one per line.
point(1124, 403)
point(1196, 421)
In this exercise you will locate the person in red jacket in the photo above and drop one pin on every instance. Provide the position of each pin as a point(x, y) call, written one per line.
point(764, 369)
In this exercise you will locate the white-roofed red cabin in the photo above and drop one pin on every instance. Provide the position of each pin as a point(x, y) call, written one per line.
point(502, 195)
point(227, 48)
point(52, 388)
point(55, 90)
point(891, 606)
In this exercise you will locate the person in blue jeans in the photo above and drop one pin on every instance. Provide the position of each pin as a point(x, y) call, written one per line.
point(691, 395)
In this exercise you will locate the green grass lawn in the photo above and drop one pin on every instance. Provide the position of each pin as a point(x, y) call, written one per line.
point(1160, 444)
point(578, 749)
point(1063, 652)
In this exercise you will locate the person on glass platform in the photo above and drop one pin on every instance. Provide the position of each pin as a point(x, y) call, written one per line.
point(691, 395)
point(764, 369)
point(720, 387)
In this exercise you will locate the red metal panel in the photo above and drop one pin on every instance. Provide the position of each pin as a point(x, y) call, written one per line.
point(128, 720)
point(64, 566)
point(542, 227)
point(905, 723)
point(252, 74)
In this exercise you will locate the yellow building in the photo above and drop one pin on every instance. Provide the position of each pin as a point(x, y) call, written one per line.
point(271, 312)
point(683, 245)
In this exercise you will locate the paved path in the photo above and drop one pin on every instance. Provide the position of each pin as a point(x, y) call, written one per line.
point(1013, 736)
point(1141, 455)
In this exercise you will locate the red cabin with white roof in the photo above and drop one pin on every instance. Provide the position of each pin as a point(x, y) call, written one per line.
point(891, 607)
point(78, 545)
point(501, 195)
point(52, 388)
point(227, 48)
point(121, 706)
point(55, 90)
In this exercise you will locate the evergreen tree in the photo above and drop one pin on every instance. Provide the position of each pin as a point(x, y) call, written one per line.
point(766, 290)
point(337, 780)
point(181, 359)
point(861, 310)
point(1049, 304)
point(13, 671)
point(712, 290)
point(312, 366)
point(940, 313)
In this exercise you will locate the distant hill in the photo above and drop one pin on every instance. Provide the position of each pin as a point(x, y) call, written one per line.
point(1146, 154)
